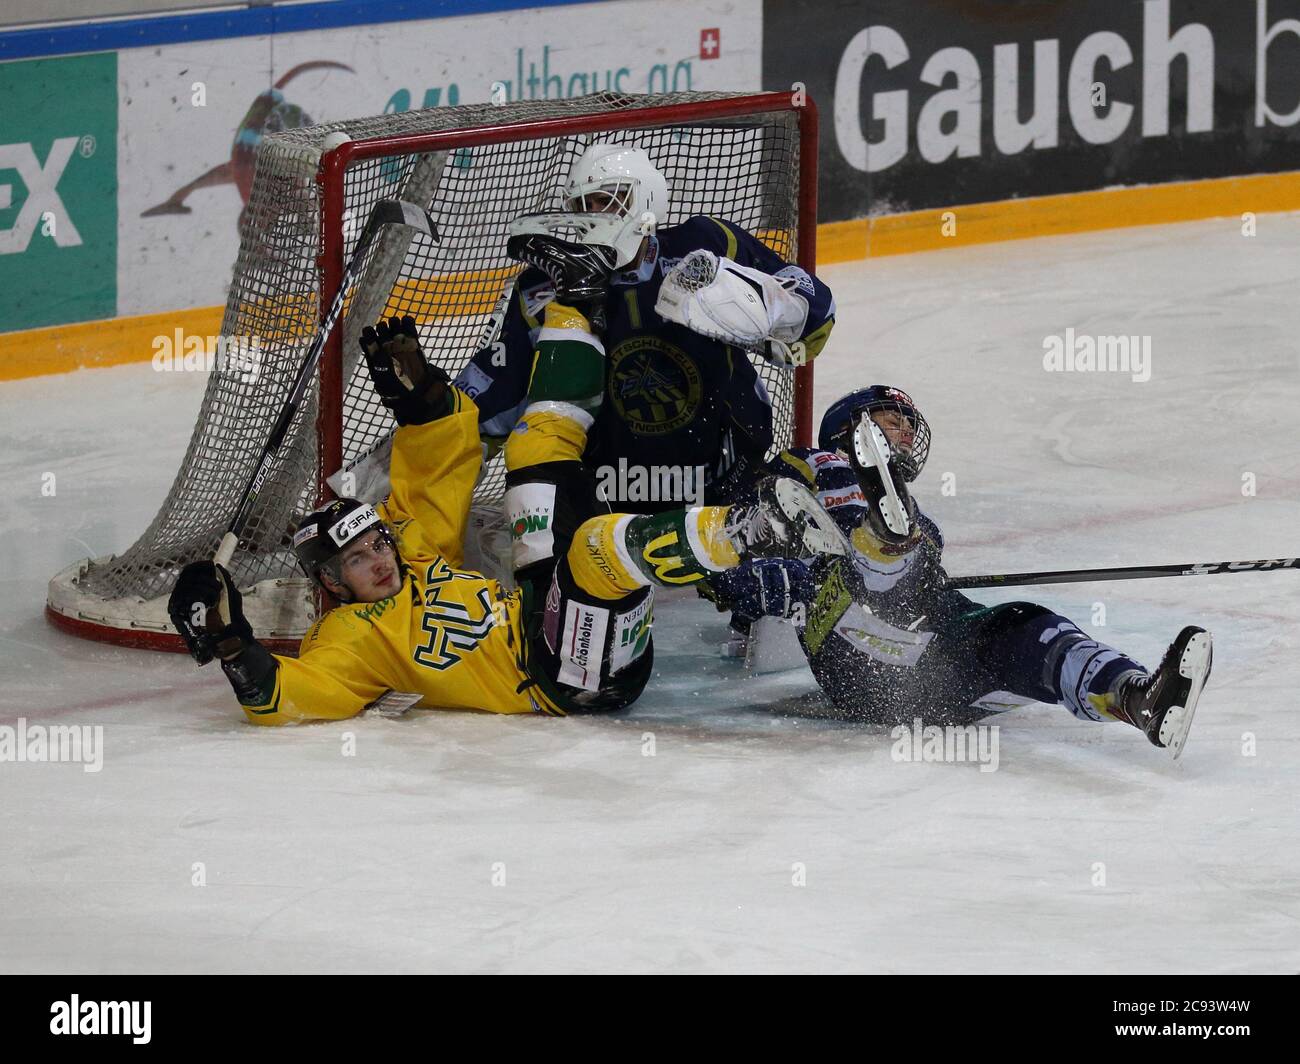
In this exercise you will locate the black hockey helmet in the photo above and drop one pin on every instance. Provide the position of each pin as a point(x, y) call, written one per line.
point(324, 534)
point(839, 421)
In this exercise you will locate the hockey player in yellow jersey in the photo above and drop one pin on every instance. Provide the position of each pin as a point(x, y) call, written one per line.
point(415, 626)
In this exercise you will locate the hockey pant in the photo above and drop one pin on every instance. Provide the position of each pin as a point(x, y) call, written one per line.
point(1019, 647)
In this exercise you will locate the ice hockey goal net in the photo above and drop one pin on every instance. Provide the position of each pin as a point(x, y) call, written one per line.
point(748, 158)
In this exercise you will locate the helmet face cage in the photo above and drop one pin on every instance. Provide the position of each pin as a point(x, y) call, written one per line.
point(621, 196)
point(907, 432)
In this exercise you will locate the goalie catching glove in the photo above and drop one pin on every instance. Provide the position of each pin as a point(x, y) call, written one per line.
point(413, 390)
point(736, 304)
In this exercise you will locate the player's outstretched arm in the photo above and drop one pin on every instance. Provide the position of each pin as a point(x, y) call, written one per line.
point(326, 683)
point(436, 452)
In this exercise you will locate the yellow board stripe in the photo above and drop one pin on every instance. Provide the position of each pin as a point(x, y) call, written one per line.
point(1076, 212)
point(92, 344)
point(62, 348)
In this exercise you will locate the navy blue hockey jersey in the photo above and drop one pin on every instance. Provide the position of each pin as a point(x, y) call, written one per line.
point(673, 399)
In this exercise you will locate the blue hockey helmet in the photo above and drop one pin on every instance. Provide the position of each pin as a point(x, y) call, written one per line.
point(909, 438)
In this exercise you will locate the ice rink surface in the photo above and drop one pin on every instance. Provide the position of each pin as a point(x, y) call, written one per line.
point(1087, 849)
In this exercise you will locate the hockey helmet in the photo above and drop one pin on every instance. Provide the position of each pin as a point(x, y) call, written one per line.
point(909, 446)
point(637, 193)
point(324, 534)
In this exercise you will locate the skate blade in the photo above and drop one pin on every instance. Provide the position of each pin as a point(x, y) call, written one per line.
point(821, 535)
point(1194, 665)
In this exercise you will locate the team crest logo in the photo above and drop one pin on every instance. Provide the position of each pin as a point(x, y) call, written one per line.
point(655, 386)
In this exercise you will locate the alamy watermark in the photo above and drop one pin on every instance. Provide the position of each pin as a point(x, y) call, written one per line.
point(653, 483)
point(931, 742)
point(79, 1017)
point(1082, 353)
point(238, 356)
point(83, 743)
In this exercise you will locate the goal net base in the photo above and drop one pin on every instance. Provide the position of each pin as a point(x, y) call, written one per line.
point(278, 609)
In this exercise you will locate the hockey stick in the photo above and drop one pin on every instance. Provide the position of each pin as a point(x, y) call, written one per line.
point(385, 212)
point(1128, 572)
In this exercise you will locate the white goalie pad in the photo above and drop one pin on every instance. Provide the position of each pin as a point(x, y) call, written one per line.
point(366, 477)
point(773, 646)
point(725, 301)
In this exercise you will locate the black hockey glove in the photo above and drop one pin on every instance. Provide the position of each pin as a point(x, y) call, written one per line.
point(413, 390)
point(196, 609)
point(580, 272)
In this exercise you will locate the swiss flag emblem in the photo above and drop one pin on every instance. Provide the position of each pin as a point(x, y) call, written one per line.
point(710, 43)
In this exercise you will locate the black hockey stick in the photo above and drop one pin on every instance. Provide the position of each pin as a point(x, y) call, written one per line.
point(1127, 572)
point(385, 213)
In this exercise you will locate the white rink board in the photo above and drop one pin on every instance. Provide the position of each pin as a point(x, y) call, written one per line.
point(616, 861)
point(176, 261)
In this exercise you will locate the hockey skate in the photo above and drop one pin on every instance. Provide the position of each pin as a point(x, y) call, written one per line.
point(1163, 703)
point(786, 521)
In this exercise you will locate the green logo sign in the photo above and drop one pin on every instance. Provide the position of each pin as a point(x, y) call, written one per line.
point(58, 191)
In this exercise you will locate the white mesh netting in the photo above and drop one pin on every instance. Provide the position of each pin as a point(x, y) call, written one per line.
point(743, 168)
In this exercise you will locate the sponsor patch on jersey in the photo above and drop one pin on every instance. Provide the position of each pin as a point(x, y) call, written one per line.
point(800, 275)
point(631, 634)
point(473, 381)
point(582, 645)
point(530, 513)
point(536, 297)
point(842, 497)
point(879, 640)
point(828, 460)
point(656, 387)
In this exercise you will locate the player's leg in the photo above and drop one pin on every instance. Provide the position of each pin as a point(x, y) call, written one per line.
point(1026, 649)
point(587, 576)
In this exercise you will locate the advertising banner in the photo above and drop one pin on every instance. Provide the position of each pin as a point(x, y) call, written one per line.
point(930, 103)
point(193, 114)
point(58, 190)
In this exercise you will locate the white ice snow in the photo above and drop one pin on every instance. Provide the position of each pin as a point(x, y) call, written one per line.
point(686, 860)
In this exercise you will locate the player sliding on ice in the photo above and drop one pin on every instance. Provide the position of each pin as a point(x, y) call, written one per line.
point(888, 641)
point(681, 308)
point(415, 627)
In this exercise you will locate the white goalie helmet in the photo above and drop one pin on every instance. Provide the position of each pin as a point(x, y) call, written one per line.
point(621, 182)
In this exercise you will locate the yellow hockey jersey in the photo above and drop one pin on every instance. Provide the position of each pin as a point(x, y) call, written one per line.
point(452, 636)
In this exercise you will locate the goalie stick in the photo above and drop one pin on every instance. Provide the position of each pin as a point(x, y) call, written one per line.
point(1128, 572)
point(385, 213)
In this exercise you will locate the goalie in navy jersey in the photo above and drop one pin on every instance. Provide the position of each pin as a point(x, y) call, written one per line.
point(679, 307)
point(890, 642)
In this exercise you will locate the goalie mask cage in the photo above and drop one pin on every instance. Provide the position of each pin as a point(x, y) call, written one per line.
point(748, 158)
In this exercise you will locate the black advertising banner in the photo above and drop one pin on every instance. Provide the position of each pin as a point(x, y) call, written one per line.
point(929, 103)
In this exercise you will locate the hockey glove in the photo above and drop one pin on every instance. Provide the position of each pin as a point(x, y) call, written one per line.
point(764, 587)
point(413, 390)
point(735, 304)
point(580, 272)
point(206, 609)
